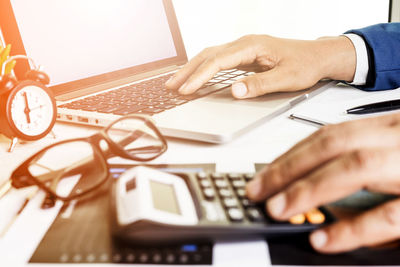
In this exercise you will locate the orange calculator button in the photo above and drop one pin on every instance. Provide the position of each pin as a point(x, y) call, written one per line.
point(315, 216)
point(298, 219)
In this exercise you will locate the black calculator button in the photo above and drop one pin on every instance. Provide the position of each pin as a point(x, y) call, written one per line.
point(221, 184)
point(235, 214)
point(249, 176)
point(205, 248)
point(201, 175)
point(241, 192)
point(116, 258)
point(130, 257)
point(157, 257)
point(143, 257)
point(238, 184)
point(234, 176)
point(208, 193)
point(247, 203)
point(183, 258)
point(217, 176)
point(197, 257)
point(170, 258)
point(205, 183)
point(255, 215)
point(230, 202)
point(223, 192)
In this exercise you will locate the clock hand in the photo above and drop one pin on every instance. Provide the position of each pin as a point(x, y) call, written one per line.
point(27, 110)
point(40, 106)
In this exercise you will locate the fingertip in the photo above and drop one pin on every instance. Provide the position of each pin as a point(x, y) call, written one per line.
point(318, 239)
point(183, 89)
point(174, 82)
point(184, 92)
point(254, 189)
point(276, 205)
point(186, 89)
point(169, 83)
point(189, 87)
point(239, 90)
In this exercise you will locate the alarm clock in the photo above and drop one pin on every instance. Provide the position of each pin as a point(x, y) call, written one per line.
point(27, 108)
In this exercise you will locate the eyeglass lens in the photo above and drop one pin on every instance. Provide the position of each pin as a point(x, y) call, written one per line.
point(69, 169)
point(75, 167)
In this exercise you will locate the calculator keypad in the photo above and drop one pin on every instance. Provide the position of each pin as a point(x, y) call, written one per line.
point(255, 214)
point(221, 183)
point(201, 175)
point(238, 184)
point(234, 176)
point(235, 214)
point(230, 202)
point(231, 192)
point(241, 192)
point(248, 177)
point(208, 193)
point(217, 176)
point(228, 191)
point(225, 193)
point(205, 183)
point(247, 203)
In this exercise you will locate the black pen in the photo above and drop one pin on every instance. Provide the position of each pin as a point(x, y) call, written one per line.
point(308, 120)
point(375, 107)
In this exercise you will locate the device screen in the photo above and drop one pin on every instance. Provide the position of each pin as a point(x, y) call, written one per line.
point(77, 39)
point(164, 197)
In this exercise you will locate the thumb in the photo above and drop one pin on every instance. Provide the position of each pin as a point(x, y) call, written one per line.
point(275, 80)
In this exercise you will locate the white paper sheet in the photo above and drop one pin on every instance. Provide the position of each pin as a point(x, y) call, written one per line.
point(263, 144)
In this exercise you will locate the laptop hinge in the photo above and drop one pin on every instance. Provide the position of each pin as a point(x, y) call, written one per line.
point(115, 83)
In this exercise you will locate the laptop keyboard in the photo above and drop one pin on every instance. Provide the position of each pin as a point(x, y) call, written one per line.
point(150, 96)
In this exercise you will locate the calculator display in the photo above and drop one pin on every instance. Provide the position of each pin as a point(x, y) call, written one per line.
point(164, 197)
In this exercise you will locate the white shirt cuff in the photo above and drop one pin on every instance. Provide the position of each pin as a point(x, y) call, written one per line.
point(362, 66)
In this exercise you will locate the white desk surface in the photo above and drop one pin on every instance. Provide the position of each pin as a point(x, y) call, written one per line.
point(261, 145)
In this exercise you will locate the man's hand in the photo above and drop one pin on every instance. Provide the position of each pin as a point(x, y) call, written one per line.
point(332, 163)
point(282, 64)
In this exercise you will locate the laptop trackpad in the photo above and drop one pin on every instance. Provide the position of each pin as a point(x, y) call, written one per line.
point(220, 115)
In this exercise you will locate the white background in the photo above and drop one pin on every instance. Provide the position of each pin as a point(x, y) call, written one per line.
point(209, 22)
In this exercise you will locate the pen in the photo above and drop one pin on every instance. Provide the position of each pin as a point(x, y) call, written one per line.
point(375, 107)
point(308, 120)
point(5, 187)
point(21, 208)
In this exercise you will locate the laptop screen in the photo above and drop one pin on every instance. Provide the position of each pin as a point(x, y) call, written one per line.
point(89, 42)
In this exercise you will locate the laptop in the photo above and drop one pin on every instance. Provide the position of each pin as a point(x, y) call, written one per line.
point(107, 59)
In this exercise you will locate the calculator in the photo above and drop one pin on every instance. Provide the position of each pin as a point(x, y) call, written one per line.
point(154, 208)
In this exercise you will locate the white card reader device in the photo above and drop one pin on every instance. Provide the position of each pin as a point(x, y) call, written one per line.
point(154, 207)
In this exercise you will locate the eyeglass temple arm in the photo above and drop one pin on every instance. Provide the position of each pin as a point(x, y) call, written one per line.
point(123, 142)
point(129, 139)
point(146, 149)
point(74, 169)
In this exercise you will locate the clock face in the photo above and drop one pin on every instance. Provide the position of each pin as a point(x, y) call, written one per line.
point(32, 110)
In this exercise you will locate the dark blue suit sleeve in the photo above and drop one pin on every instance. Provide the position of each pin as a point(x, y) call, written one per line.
point(383, 45)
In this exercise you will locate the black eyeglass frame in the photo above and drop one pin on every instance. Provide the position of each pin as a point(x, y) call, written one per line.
point(21, 176)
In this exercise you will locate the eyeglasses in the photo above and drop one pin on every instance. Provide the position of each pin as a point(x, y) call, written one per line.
point(72, 168)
